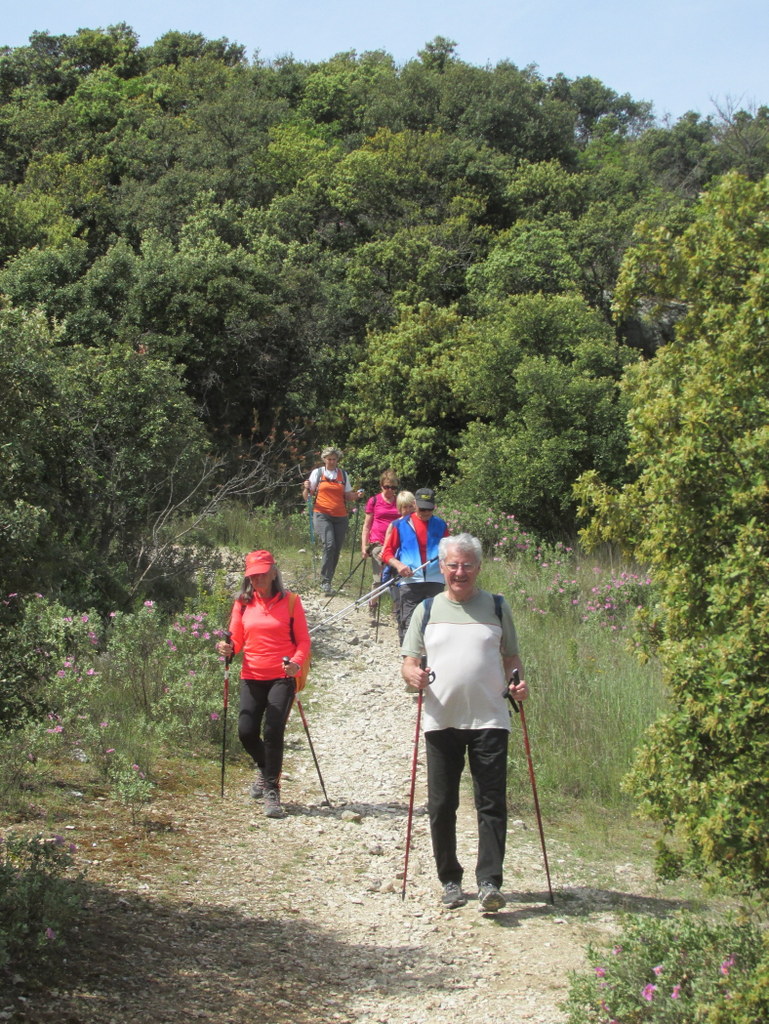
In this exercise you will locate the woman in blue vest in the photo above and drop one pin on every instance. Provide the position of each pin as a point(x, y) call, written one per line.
point(413, 541)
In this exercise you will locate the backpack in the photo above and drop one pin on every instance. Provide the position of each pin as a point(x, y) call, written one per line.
point(300, 679)
point(427, 604)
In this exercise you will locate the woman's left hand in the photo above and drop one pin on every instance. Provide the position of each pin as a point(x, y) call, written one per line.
point(291, 668)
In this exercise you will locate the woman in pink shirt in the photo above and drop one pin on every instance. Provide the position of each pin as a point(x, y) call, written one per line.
point(381, 510)
point(266, 630)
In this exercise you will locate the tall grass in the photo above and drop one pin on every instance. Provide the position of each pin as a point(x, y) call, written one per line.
point(591, 699)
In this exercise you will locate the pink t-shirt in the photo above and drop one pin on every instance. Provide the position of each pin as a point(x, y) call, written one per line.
point(384, 513)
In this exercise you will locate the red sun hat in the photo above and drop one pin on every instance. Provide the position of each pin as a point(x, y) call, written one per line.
point(258, 562)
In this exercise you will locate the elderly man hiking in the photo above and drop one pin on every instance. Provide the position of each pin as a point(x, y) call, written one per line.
point(470, 644)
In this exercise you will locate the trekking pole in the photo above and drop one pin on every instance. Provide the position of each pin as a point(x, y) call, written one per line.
point(518, 708)
point(312, 535)
point(345, 580)
point(227, 661)
point(354, 533)
point(326, 801)
point(423, 665)
point(379, 589)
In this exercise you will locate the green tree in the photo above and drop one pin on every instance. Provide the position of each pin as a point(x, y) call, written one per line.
point(400, 411)
point(697, 514)
point(539, 379)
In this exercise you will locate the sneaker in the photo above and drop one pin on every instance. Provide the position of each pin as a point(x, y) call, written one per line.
point(453, 896)
point(259, 785)
point(272, 807)
point(490, 898)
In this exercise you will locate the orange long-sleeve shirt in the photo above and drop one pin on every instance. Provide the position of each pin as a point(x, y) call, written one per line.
point(262, 631)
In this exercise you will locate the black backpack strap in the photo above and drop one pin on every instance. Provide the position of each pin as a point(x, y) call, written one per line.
point(498, 606)
point(427, 604)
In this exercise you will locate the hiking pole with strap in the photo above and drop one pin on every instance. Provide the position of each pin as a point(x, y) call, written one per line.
point(379, 589)
point(518, 708)
point(326, 801)
point(227, 662)
point(423, 665)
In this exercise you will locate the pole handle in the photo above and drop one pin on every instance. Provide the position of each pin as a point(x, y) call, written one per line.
point(516, 678)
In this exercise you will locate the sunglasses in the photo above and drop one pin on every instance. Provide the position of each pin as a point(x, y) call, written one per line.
point(389, 487)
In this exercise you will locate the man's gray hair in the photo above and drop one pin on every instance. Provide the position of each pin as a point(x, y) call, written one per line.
point(464, 542)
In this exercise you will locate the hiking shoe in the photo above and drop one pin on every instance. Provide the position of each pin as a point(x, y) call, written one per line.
point(490, 898)
point(453, 896)
point(272, 807)
point(259, 785)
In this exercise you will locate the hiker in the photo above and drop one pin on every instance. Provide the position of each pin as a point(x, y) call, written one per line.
point(406, 503)
point(330, 487)
point(381, 510)
point(410, 543)
point(470, 644)
point(266, 630)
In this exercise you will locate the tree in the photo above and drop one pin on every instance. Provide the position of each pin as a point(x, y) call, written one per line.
point(400, 405)
point(539, 379)
point(697, 514)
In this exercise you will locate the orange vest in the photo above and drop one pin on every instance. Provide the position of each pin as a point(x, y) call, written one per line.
point(329, 494)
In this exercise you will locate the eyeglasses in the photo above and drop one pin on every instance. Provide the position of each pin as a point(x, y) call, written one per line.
point(389, 487)
point(456, 566)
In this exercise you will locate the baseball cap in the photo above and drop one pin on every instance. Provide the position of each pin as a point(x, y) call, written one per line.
point(258, 561)
point(425, 498)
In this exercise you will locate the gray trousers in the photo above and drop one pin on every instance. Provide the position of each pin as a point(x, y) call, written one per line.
point(331, 532)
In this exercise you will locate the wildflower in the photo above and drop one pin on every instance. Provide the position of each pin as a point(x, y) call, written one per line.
point(600, 972)
point(676, 993)
point(149, 604)
point(658, 969)
point(84, 618)
point(110, 750)
point(648, 991)
point(729, 962)
point(50, 934)
point(103, 725)
point(214, 717)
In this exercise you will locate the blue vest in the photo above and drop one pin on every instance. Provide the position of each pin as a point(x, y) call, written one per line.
point(409, 552)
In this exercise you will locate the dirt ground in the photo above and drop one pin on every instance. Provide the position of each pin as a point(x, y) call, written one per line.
point(210, 912)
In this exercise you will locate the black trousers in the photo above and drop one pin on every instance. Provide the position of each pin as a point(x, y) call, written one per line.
point(486, 751)
point(267, 701)
point(409, 596)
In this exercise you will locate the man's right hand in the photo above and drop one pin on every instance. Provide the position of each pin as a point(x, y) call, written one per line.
point(415, 676)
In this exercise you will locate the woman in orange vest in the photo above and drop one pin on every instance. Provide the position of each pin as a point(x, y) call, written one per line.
point(329, 485)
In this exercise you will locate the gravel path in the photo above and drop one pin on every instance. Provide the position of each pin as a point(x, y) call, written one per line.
point(221, 915)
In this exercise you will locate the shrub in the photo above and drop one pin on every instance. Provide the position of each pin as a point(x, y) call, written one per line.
point(672, 971)
point(38, 904)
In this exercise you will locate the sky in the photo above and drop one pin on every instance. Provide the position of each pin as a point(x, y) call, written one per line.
point(679, 54)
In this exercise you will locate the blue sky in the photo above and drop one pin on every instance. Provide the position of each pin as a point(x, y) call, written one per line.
point(680, 54)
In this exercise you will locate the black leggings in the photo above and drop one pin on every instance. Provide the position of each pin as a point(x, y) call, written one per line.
point(269, 700)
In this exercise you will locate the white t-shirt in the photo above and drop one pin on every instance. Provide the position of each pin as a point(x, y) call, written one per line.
point(464, 643)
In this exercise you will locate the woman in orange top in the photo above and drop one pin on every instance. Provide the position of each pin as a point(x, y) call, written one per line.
point(266, 631)
point(330, 487)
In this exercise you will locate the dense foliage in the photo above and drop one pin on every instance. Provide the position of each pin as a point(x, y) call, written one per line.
point(415, 260)
point(697, 515)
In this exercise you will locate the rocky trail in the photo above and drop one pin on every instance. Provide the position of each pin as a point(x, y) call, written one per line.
point(220, 915)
